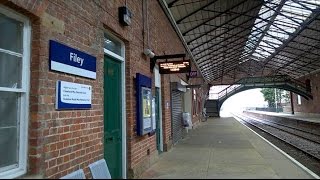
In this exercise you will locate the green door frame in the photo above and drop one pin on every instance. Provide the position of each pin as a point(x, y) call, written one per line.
point(158, 127)
point(158, 85)
point(123, 85)
point(113, 116)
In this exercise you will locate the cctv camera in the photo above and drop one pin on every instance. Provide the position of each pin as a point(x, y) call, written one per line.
point(149, 53)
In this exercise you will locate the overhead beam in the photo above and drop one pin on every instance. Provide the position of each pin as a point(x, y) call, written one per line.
point(194, 12)
point(236, 34)
point(265, 30)
point(225, 23)
point(172, 3)
point(168, 13)
point(233, 54)
point(193, 28)
point(313, 16)
point(297, 58)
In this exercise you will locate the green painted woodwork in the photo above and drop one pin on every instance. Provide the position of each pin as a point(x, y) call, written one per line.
point(113, 116)
point(158, 132)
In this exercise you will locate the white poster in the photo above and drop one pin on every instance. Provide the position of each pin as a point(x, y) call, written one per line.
point(153, 114)
point(73, 95)
point(146, 123)
point(146, 108)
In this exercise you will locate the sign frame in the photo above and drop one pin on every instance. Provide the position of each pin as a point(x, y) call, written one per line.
point(186, 69)
point(65, 59)
point(193, 74)
point(143, 83)
point(153, 106)
point(64, 88)
point(146, 100)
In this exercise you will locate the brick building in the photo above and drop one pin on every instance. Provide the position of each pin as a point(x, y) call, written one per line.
point(39, 139)
point(302, 105)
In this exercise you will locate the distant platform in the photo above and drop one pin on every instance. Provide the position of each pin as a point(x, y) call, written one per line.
point(311, 117)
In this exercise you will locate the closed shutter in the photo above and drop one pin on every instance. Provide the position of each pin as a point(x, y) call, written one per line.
point(176, 116)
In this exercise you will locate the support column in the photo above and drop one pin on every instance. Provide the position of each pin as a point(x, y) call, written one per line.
point(291, 101)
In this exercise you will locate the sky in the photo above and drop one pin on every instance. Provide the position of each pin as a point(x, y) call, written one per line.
point(239, 101)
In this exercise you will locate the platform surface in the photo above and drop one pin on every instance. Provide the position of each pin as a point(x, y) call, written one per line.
point(312, 117)
point(224, 148)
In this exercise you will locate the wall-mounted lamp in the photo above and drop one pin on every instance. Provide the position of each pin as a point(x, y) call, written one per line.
point(125, 16)
point(149, 53)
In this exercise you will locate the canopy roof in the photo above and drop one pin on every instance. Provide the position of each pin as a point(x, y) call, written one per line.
point(232, 39)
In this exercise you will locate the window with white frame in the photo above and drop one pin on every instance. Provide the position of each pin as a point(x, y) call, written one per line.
point(113, 45)
point(299, 99)
point(14, 92)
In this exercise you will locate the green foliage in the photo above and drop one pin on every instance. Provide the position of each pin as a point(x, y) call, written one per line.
point(268, 94)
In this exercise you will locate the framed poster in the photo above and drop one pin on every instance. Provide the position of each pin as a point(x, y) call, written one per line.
point(144, 104)
point(146, 109)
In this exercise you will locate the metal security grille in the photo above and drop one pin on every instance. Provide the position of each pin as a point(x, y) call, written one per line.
point(176, 99)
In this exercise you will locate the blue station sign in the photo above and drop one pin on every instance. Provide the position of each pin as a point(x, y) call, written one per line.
point(69, 60)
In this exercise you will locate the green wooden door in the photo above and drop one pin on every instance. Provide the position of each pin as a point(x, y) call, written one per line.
point(158, 132)
point(113, 116)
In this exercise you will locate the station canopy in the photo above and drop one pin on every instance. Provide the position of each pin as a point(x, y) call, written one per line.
point(232, 39)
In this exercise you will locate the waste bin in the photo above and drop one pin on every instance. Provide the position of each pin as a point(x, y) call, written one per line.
point(186, 119)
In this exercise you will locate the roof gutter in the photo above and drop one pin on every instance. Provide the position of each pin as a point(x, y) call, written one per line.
point(165, 8)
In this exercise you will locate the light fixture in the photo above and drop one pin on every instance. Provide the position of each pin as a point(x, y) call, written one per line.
point(125, 16)
point(149, 53)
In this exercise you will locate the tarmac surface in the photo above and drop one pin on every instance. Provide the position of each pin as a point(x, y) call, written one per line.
point(224, 148)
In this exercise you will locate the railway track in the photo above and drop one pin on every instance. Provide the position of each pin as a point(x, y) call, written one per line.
point(302, 139)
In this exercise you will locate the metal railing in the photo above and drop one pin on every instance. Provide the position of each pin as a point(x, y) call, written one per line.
point(227, 90)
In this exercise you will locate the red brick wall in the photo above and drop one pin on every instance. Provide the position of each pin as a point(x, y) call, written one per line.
point(63, 141)
point(200, 93)
point(166, 111)
point(312, 105)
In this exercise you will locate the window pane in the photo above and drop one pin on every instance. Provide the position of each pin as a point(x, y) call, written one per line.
point(10, 71)
point(112, 44)
point(8, 109)
point(299, 99)
point(10, 34)
point(8, 129)
point(8, 147)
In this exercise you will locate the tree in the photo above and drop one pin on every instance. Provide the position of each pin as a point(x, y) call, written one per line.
point(268, 94)
point(286, 96)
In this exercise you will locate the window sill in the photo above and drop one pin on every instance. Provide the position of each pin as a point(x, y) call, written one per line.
point(14, 173)
point(32, 177)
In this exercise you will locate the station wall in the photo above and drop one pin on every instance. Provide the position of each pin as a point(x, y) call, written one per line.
point(312, 105)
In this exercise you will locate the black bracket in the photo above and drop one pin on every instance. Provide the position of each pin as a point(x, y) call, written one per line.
point(153, 60)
